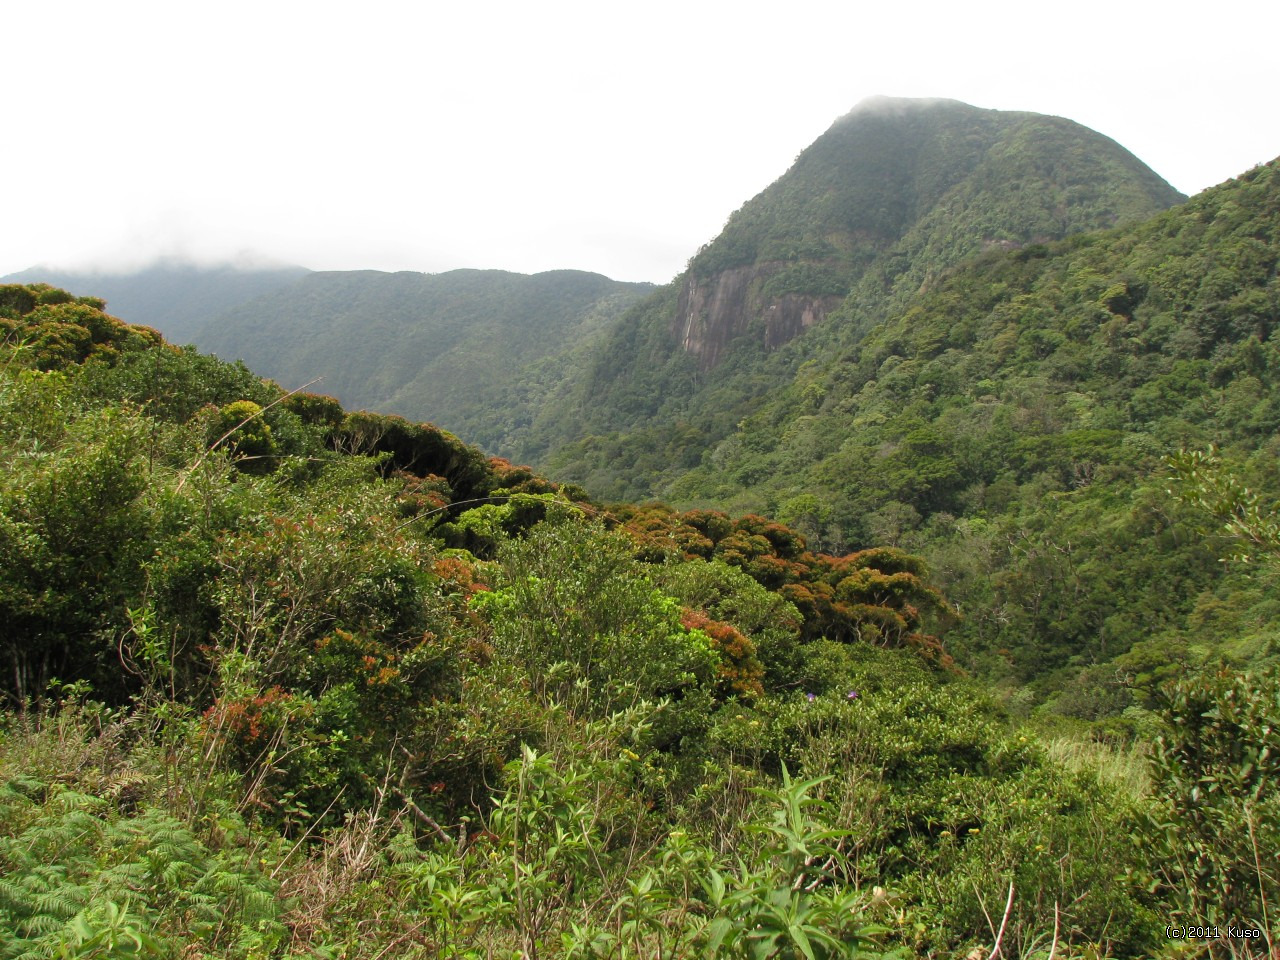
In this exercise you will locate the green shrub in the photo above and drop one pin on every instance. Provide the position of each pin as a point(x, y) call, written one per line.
point(575, 611)
point(1214, 827)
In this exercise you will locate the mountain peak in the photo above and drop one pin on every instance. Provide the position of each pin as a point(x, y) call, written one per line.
point(897, 106)
point(895, 192)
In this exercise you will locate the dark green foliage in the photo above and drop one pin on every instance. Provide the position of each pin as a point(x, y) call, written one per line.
point(877, 596)
point(881, 207)
point(418, 448)
point(1008, 421)
point(173, 384)
point(1215, 822)
point(896, 170)
point(86, 872)
point(52, 329)
point(316, 410)
point(247, 436)
point(574, 611)
point(805, 279)
point(727, 594)
point(74, 531)
point(797, 906)
point(16, 301)
point(947, 805)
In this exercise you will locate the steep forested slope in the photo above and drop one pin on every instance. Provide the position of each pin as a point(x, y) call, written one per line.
point(1011, 424)
point(473, 350)
point(895, 193)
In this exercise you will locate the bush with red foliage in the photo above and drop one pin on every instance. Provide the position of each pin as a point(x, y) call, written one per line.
point(740, 670)
point(879, 596)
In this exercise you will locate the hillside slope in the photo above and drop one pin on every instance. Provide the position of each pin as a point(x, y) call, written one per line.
point(174, 297)
point(893, 195)
point(471, 350)
point(895, 191)
point(285, 680)
point(1011, 425)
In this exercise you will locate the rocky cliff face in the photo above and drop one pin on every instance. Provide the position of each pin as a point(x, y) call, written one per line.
point(715, 311)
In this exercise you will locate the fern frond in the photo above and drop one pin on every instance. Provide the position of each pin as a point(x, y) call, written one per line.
point(176, 873)
point(13, 898)
point(120, 781)
point(62, 903)
point(39, 924)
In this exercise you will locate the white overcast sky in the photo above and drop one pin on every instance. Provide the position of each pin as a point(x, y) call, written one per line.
point(613, 137)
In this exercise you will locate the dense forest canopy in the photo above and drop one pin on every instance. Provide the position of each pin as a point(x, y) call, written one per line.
point(1010, 425)
point(451, 348)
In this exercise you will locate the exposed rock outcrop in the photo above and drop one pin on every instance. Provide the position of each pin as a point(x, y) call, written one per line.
point(715, 311)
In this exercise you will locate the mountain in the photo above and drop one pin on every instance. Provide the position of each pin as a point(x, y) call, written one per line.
point(874, 212)
point(478, 351)
point(555, 369)
point(1011, 424)
point(280, 677)
point(475, 351)
point(174, 297)
point(894, 192)
point(1001, 403)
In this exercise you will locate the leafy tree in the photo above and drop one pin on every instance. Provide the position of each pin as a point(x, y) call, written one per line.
point(74, 530)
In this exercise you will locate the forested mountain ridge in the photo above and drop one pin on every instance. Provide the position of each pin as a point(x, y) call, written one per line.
point(1011, 426)
point(893, 195)
point(478, 351)
point(173, 296)
point(472, 350)
point(896, 191)
point(473, 498)
point(545, 369)
point(282, 679)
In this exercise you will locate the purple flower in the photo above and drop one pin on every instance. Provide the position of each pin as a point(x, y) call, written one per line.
point(811, 697)
point(853, 695)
